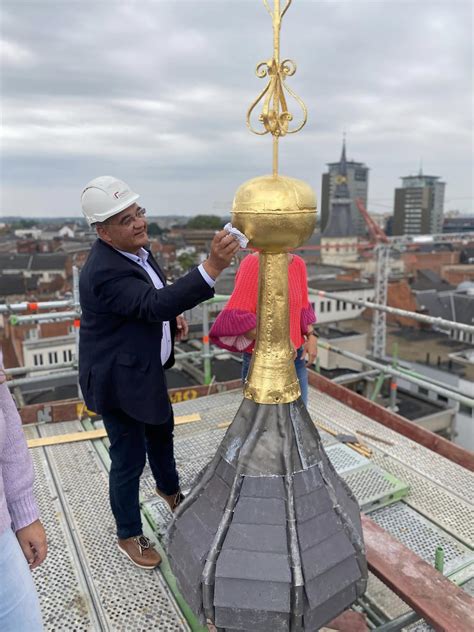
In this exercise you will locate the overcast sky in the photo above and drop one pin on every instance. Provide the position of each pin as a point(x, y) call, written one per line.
point(155, 92)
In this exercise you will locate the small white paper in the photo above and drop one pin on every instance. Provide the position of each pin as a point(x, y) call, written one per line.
point(241, 238)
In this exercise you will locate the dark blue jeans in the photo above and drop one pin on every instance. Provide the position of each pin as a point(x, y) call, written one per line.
point(131, 441)
point(301, 372)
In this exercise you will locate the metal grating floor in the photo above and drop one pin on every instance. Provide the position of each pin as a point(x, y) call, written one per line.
point(62, 587)
point(373, 487)
point(114, 595)
point(422, 536)
point(344, 458)
point(409, 453)
point(442, 507)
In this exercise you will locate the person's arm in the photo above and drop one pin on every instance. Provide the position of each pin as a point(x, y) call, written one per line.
point(136, 298)
point(311, 346)
point(17, 472)
point(308, 318)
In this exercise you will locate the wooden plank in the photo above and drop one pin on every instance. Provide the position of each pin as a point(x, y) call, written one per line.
point(186, 419)
point(71, 437)
point(88, 435)
point(393, 421)
point(443, 604)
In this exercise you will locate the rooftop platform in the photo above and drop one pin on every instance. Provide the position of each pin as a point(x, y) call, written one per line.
point(421, 498)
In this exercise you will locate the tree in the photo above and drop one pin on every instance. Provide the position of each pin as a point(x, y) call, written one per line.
point(209, 222)
point(154, 229)
point(186, 261)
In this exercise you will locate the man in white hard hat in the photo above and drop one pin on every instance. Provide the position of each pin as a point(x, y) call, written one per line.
point(128, 324)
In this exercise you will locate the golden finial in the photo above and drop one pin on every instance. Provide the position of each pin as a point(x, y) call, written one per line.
point(275, 116)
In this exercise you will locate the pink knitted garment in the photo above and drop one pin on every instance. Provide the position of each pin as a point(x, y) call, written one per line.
point(17, 503)
point(239, 315)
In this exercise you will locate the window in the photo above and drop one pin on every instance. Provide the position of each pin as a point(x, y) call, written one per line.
point(69, 353)
point(329, 306)
point(64, 355)
point(53, 357)
point(344, 306)
point(423, 391)
point(442, 398)
point(466, 410)
point(322, 307)
point(338, 306)
point(38, 359)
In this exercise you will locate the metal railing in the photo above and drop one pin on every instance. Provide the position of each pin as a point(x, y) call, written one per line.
point(408, 377)
point(423, 318)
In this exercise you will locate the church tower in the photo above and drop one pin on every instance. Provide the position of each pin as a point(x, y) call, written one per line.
point(338, 239)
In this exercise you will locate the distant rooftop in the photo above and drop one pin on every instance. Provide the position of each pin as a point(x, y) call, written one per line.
point(335, 285)
point(429, 280)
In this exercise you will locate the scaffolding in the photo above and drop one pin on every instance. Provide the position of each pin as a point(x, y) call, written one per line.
point(379, 307)
point(382, 273)
point(436, 321)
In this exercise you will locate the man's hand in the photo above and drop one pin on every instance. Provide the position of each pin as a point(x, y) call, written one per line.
point(182, 328)
point(33, 543)
point(223, 248)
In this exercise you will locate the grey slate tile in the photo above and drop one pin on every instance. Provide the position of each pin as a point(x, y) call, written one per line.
point(189, 522)
point(226, 471)
point(257, 537)
point(260, 511)
point(306, 481)
point(253, 565)
point(323, 587)
point(317, 529)
point(317, 617)
point(312, 504)
point(218, 492)
point(197, 541)
point(263, 487)
point(326, 554)
point(192, 591)
point(206, 512)
point(344, 494)
point(253, 595)
point(190, 566)
point(252, 620)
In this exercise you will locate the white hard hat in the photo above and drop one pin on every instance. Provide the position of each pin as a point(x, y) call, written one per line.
point(104, 197)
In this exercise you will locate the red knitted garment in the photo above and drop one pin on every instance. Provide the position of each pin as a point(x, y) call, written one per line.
point(239, 315)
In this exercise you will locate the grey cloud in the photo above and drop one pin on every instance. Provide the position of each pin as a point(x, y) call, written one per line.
point(159, 90)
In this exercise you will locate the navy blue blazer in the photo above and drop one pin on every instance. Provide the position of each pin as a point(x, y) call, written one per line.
point(121, 329)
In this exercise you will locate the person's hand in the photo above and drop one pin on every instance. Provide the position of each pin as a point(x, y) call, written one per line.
point(310, 350)
point(32, 539)
point(251, 334)
point(223, 248)
point(182, 328)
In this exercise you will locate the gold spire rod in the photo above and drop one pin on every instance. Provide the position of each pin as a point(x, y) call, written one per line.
point(277, 214)
point(275, 116)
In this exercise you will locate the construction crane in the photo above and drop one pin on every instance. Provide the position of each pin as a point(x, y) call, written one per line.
point(376, 232)
point(382, 271)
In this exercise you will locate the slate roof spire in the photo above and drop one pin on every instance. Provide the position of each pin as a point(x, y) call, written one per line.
point(340, 222)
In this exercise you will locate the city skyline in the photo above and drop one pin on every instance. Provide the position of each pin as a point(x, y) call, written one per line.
point(156, 94)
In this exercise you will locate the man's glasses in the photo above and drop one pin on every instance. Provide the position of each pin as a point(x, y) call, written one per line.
point(128, 220)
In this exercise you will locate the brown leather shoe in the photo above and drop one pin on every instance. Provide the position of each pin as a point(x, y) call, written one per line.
point(140, 551)
point(173, 500)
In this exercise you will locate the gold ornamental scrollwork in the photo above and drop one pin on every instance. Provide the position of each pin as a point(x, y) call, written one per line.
point(275, 116)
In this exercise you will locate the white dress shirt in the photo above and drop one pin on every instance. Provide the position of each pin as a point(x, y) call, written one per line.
point(142, 260)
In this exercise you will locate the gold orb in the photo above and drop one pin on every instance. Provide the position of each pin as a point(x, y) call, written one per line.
point(276, 213)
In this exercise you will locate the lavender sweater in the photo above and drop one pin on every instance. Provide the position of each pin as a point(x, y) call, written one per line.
point(17, 503)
